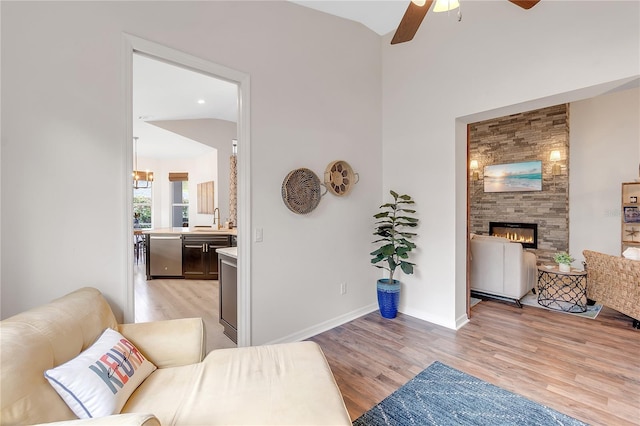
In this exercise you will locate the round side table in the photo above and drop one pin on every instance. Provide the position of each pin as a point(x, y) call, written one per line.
point(563, 291)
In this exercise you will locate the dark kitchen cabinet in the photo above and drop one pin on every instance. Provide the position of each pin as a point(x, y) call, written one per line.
point(228, 295)
point(199, 257)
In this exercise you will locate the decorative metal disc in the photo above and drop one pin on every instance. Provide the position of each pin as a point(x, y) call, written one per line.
point(301, 191)
point(339, 177)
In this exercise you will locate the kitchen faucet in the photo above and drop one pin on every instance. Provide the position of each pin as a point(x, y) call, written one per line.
point(214, 217)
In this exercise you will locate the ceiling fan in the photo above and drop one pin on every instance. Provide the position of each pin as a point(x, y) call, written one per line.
point(418, 9)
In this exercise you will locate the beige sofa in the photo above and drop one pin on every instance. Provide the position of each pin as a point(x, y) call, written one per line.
point(274, 384)
point(501, 268)
point(614, 281)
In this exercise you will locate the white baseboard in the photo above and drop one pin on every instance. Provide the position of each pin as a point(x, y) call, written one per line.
point(425, 316)
point(462, 321)
point(350, 316)
point(324, 326)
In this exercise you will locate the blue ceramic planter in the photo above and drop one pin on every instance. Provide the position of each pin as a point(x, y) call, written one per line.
point(388, 297)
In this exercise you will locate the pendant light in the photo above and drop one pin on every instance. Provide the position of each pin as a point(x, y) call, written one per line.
point(138, 176)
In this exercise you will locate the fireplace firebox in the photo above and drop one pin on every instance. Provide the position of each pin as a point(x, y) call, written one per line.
point(524, 233)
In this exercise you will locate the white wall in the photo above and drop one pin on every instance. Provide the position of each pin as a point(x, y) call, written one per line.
point(500, 59)
point(315, 98)
point(605, 151)
point(217, 134)
point(201, 169)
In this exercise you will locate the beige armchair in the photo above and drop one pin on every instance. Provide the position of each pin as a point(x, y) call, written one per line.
point(501, 268)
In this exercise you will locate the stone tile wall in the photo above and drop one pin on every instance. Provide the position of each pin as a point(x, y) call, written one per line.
point(527, 136)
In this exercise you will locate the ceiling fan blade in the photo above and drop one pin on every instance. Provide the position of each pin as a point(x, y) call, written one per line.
point(411, 22)
point(525, 4)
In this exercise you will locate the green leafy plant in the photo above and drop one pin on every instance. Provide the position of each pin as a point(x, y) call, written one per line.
point(563, 257)
point(395, 242)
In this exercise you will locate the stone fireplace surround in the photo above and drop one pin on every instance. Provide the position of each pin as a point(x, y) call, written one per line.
point(526, 136)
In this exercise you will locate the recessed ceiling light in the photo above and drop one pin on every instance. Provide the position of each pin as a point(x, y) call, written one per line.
point(201, 101)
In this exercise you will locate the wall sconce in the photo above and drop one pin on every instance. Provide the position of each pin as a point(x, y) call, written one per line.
point(473, 166)
point(556, 169)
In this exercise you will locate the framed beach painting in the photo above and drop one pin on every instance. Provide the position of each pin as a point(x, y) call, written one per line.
point(513, 177)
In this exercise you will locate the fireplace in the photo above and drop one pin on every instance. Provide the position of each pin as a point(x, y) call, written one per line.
point(524, 233)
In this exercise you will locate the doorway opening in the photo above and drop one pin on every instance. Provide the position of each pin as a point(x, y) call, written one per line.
point(187, 129)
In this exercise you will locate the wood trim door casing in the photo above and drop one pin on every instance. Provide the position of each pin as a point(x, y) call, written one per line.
point(468, 228)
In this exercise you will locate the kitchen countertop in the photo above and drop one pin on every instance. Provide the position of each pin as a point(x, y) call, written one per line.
point(228, 251)
point(192, 231)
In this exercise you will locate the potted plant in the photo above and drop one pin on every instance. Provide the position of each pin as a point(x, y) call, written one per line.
point(395, 245)
point(563, 259)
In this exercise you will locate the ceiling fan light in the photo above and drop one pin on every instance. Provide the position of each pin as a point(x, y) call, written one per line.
point(419, 2)
point(445, 5)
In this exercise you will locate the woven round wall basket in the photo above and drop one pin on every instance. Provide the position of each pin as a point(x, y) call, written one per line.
point(339, 178)
point(301, 191)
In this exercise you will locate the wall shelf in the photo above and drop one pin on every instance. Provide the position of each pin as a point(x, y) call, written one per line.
point(630, 215)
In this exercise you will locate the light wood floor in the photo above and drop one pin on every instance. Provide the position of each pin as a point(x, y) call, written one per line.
point(161, 299)
point(588, 369)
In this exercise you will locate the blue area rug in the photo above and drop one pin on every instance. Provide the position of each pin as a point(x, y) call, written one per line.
point(441, 395)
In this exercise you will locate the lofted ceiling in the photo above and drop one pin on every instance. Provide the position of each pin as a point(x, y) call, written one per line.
point(382, 16)
point(163, 91)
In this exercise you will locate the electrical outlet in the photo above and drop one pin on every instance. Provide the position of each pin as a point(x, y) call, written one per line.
point(343, 288)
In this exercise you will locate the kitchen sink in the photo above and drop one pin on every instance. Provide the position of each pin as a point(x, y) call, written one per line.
point(208, 229)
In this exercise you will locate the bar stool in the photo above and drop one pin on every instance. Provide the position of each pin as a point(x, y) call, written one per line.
point(138, 245)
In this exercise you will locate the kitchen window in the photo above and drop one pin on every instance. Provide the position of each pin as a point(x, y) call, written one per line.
point(180, 203)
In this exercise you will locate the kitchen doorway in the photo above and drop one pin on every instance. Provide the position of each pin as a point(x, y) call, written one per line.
point(175, 297)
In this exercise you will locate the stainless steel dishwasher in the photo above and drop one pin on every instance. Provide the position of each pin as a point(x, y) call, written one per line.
point(165, 255)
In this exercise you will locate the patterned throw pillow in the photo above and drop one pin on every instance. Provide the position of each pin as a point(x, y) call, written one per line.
point(100, 380)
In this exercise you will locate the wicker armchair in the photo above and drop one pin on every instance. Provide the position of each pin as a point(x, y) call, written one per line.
point(614, 281)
